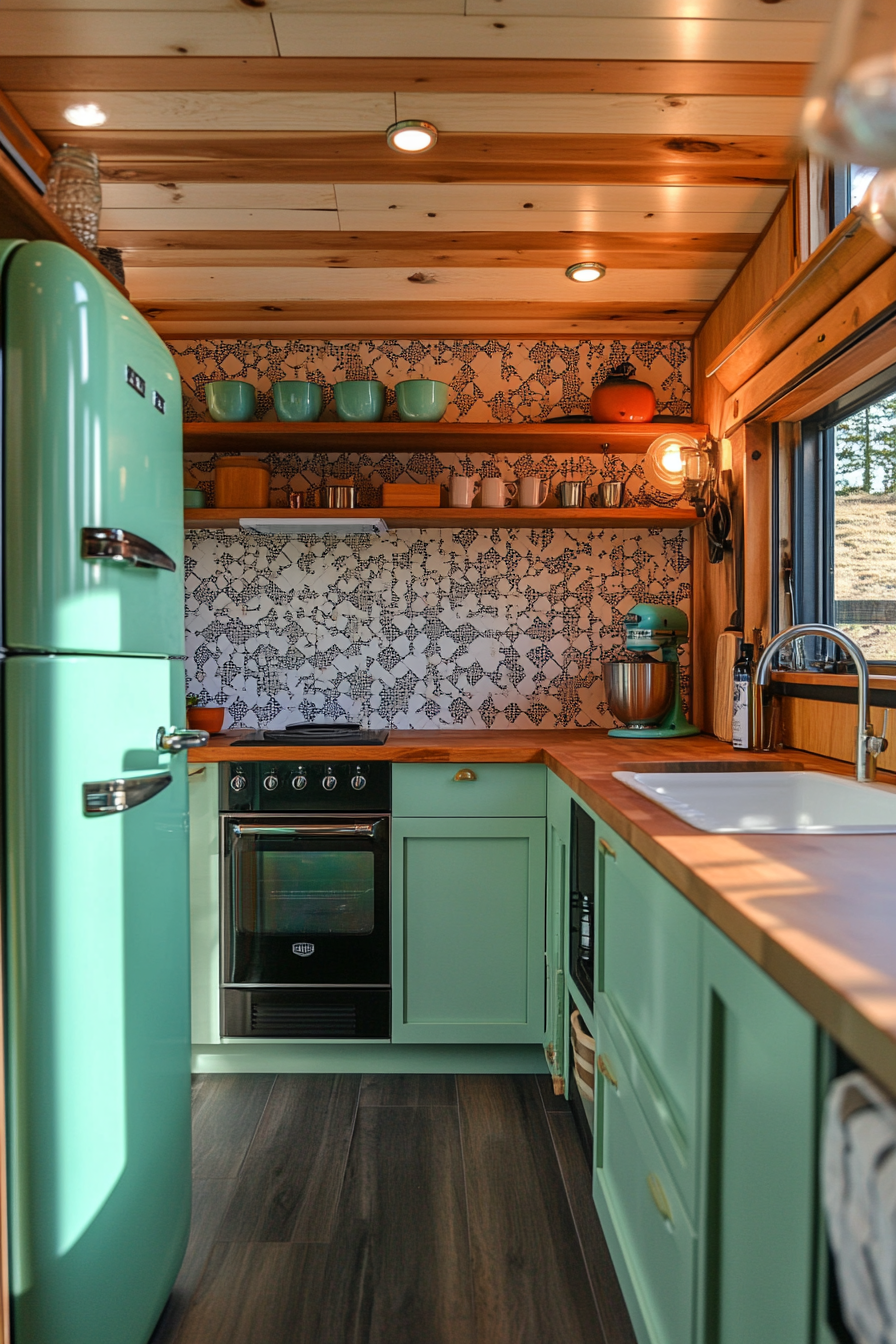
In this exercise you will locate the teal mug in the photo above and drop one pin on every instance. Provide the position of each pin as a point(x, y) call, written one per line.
point(422, 399)
point(360, 400)
point(297, 400)
point(194, 499)
point(230, 399)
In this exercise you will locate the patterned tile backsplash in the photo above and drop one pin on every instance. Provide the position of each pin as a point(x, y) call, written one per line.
point(467, 629)
point(422, 629)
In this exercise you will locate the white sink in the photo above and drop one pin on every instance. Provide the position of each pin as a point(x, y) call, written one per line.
point(783, 802)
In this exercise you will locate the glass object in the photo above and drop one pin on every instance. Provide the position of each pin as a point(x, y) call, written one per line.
point(697, 475)
point(74, 193)
point(663, 463)
point(850, 113)
point(301, 892)
point(865, 528)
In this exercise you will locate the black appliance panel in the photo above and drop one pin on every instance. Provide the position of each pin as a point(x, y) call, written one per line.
point(305, 899)
point(306, 786)
point(315, 735)
point(582, 906)
point(296, 1014)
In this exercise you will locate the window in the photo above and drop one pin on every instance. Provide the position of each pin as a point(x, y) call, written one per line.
point(845, 517)
point(846, 186)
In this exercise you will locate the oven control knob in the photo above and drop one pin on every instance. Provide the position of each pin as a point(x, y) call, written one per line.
point(329, 782)
point(270, 782)
point(238, 782)
point(299, 782)
point(358, 782)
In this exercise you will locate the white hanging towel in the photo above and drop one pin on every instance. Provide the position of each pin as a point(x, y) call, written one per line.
point(859, 1179)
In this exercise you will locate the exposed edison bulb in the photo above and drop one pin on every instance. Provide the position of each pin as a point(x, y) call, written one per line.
point(850, 113)
point(664, 462)
point(85, 114)
point(411, 137)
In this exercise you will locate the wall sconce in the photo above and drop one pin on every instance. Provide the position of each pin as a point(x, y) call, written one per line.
point(677, 463)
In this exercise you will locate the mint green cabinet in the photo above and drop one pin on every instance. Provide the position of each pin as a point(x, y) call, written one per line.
point(474, 789)
point(635, 1192)
point(556, 1034)
point(648, 981)
point(760, 1154)
point(468, 929)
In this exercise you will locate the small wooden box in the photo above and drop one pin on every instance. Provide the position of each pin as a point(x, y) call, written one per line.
point(412, 496)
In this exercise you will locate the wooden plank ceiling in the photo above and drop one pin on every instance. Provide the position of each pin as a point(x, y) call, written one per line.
point(248, 182)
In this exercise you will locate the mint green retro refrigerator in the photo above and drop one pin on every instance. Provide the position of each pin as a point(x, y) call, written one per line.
point(94, 806)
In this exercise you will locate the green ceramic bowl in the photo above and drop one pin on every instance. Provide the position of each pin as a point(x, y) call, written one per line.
point(360, 400)
point(195, 499)
point(297, 400)
point(230, 399)
point(422, 399)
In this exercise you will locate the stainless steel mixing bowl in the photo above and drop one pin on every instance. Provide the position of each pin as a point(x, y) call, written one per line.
point(639, 693)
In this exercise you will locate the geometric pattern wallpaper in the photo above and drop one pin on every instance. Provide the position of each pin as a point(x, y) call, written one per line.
point(466, 629)
point(437, 628)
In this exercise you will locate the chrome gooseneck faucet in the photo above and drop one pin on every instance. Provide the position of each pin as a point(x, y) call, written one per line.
point(868, 744)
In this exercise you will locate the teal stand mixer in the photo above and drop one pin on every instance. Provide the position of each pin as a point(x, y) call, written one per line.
point(646, 694)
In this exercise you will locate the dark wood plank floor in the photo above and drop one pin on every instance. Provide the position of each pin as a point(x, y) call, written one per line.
point(390, 1209)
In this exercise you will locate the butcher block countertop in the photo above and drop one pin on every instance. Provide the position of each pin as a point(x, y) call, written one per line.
point(818, 913)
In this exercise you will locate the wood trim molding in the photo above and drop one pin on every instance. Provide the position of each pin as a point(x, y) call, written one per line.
point(839, 346)
point(844, 259)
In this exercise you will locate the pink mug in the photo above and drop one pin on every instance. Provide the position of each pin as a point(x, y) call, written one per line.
point(495, 493)
point(533, 492)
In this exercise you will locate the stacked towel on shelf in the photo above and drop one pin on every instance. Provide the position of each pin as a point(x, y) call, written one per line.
point(859, 1179)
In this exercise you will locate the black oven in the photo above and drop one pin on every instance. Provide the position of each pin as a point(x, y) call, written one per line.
point(582, 902)
point(305, 930)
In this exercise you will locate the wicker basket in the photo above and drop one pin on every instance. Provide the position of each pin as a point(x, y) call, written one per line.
point(583, 1063)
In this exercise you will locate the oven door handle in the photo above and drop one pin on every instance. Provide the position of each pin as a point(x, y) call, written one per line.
point(304, 830)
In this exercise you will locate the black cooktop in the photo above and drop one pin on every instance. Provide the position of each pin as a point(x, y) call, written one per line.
point(315, 735)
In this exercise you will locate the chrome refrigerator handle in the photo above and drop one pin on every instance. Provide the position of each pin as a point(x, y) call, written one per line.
point(117, 795)
point(180, 739)
point(112, 543)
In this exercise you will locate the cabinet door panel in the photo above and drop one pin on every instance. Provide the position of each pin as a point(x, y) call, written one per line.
point(649, 988)
point(761, 1155)
point(651, 1225)
point(496, 789)
point(468, 930)
point(556, 1015)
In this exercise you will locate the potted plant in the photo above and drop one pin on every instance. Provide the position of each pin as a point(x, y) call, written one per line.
point(207, 718)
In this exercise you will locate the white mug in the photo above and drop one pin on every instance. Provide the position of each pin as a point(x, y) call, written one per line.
point(461, 491)
point(533, 492)
point(495, 492)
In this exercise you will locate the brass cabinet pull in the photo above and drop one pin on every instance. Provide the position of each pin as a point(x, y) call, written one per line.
point(606, 848)
point(659, 1197)
point(465, 774)
point(604, 1066)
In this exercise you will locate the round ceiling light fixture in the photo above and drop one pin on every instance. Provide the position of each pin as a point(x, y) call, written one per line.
point(584, 271)
point(85, 114)
point(412, 137)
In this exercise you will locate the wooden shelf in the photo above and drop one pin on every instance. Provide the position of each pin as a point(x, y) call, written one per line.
point(270, 436)
point(458, 518)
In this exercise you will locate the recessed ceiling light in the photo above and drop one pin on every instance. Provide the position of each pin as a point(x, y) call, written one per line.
point(85, 114)
point(586, 270)
point(412, 137)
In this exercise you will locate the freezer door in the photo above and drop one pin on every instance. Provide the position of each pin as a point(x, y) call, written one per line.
point(94, 449)
point(97, 999)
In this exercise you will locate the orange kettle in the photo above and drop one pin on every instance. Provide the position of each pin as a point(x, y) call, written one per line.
point(622, 398)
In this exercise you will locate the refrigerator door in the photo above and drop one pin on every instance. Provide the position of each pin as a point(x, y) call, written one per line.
point(93, 449)
point(97, 997)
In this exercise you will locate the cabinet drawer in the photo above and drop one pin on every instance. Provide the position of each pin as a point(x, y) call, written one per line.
point(446, 790)
point(650, 1222)
point(648, 981)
